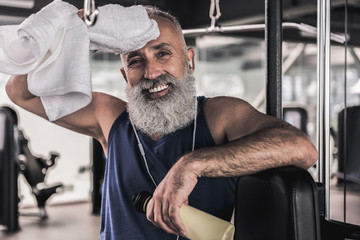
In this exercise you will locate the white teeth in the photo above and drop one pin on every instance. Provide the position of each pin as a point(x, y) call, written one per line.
point(158, 88)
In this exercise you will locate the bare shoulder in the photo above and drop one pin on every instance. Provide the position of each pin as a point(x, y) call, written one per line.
point(225, 104)
point(109, 105)
point(109, 102)
point(230, 118)
point(107, 109)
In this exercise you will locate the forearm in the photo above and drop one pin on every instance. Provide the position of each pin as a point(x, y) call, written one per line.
point(267, 148)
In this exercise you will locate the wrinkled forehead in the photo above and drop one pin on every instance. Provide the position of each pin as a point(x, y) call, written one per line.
point(169, 33)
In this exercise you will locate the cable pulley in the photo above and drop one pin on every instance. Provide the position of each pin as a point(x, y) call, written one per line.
point(214, 13)
point(90, 12)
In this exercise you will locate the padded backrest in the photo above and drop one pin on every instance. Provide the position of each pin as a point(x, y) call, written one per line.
point(277, 204)
point(8, 170)
point(352, 143)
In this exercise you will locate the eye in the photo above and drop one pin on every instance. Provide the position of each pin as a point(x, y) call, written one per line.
point(163, 54)
point(135, 61)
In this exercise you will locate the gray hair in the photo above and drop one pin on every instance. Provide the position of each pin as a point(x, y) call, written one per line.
point(153, 11)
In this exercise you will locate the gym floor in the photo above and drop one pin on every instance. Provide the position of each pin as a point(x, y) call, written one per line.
point(75, 221)
point(352, 199)
point(68, 221)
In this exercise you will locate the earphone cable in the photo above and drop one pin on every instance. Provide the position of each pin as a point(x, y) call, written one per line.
point(142, 151)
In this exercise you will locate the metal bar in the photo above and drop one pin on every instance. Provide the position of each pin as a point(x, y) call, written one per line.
point(345, 111)
point(273, 70)
point(323, 112)
point(223, 29)
point(311, 30)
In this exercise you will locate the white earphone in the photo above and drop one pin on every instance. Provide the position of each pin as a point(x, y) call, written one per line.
point(190, 64)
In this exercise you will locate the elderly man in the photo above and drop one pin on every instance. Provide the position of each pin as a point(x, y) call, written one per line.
point(185, 149)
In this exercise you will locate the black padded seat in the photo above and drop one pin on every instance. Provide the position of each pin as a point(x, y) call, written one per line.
point(277, 204)
point(350, 146)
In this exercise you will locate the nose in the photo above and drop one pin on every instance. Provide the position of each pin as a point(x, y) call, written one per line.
point(153, 70)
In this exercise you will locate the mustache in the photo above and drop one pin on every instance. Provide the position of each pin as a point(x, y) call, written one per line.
point(146, 83)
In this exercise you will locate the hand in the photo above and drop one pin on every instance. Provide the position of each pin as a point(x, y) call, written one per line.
point(80, 13)
point(173, 191)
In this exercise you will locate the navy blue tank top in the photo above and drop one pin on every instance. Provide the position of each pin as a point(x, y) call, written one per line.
point(126, 175)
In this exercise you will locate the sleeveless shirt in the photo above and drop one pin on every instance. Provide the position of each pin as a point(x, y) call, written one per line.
point(126, 175)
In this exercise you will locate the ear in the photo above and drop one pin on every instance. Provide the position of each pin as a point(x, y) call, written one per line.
point(123, 73)
point(190, 55)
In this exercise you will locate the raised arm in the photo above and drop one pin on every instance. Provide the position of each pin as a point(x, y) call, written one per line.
point(247, 142)
point(94, 120)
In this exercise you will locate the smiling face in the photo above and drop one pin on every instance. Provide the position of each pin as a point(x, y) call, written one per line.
point(161, 89)
point(165, 55)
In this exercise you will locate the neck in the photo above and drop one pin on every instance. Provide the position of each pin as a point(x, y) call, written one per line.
point(155, 137)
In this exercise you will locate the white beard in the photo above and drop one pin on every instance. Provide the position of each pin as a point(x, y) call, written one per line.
point(167, 114)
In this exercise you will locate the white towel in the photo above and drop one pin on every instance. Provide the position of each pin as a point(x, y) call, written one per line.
point(23, 47)
point(14, 57)
point(52, 47)
point(121, 29)
point(60, 40)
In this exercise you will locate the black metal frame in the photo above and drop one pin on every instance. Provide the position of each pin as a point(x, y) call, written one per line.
point(273, 41)
point(330, 229)
point(9, 214)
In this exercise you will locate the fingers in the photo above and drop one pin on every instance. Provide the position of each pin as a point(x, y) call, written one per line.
point(154, 215)
point(166, 217)
point(171, 216)
point(80, 13)
point(174, 216)
point(170, 194)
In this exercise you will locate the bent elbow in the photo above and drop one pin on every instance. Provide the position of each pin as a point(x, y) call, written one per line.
point(310, 157)
point(10, 90)
point(16, 89)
